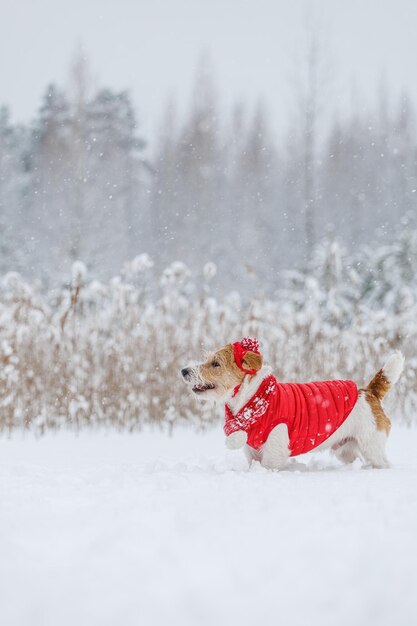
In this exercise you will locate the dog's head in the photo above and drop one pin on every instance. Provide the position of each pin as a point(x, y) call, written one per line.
point(223, 370)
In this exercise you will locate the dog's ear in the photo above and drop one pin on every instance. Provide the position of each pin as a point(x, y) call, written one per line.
point(252, 361)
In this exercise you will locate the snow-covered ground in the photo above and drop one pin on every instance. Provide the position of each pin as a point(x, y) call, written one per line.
point(106, 529)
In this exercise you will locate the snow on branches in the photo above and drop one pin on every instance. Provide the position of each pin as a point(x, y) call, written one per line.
point(93, 353)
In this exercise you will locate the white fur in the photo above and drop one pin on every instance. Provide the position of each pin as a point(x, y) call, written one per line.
point(358, 436)
point(348, 452)
point(394, 367)
point(248, 389)
point(275, 451)
point(236, 440)
point(363, 437)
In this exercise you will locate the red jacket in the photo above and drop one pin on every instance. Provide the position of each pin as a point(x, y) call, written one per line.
point(311, 411)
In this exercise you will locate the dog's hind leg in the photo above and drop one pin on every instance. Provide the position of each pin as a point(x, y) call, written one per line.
point(346, 452)
point(275, 451)
point(372, 449)
point(375, 424)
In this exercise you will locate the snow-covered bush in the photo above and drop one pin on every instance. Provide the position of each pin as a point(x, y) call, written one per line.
point(110, 353)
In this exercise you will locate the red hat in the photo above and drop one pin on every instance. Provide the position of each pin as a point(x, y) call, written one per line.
point(240, 348)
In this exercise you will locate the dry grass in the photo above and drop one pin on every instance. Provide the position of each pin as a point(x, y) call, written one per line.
point(111, 354)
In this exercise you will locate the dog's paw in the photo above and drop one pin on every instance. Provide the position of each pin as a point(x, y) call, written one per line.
point(236, 440)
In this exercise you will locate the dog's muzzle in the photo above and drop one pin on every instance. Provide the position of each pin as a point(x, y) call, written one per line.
point(188, 374)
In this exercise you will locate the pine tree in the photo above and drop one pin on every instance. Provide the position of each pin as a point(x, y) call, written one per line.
point(114, 210)
point(200, 177)
point(165, 201)
point(311, 95)
point(50, 205)
point(260, 220)
point(13, 181)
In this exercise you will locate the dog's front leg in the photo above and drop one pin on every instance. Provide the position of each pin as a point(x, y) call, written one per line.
point(275, 451)
point(251, 454)
point(236, 440)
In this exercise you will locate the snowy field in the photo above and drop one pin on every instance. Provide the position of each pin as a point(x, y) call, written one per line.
point(106, 529)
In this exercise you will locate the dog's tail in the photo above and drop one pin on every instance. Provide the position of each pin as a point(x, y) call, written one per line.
point(386, 378)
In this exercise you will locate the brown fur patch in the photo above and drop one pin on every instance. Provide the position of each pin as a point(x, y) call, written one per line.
point(382, 420)
point(379, 385)
point(374, 393)
point(252, 361)
point(226, 375)
point(220, 368)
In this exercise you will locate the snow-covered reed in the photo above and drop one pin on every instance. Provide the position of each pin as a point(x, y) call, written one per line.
point(93, 353)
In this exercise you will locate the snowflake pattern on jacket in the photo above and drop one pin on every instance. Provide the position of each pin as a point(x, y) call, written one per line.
point(311, 411)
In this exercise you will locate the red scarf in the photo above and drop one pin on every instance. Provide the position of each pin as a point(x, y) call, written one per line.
point(311, 411)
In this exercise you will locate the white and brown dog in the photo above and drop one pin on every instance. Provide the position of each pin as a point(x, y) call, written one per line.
point(274, 421)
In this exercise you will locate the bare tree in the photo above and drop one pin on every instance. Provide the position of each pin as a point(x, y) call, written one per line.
point(311, 86)
point(80, 93)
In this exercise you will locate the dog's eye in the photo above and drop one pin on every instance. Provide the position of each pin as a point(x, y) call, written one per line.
point(215, 364)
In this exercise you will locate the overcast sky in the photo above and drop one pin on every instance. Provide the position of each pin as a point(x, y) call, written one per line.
point(152, 47)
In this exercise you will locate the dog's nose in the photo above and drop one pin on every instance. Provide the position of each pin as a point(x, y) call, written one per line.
point(185, 372)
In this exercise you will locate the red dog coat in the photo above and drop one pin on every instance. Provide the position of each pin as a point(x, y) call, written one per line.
point(311, 411)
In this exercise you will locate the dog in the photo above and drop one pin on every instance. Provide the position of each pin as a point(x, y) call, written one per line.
point(273, 421)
